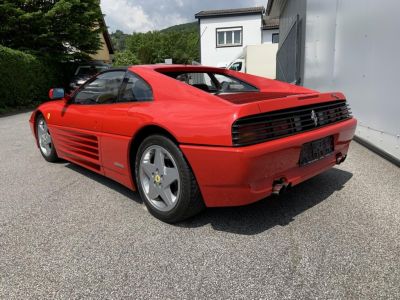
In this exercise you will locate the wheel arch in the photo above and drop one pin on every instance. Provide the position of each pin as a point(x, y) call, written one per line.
point(139, 137)
point(35, 117)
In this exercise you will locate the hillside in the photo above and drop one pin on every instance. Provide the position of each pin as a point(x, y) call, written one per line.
point(179, 42)
point(192, 27)
point(118, 38)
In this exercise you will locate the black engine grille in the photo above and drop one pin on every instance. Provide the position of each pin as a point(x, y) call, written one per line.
point(277, 124)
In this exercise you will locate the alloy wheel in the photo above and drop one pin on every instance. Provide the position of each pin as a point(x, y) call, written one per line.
point(159, 178)
point(45, 141)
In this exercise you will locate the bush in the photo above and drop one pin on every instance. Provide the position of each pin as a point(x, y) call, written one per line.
point(125, 58)
point(25, 79)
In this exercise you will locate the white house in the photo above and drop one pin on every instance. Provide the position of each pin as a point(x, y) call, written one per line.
point(224, 33)
point(270, 31)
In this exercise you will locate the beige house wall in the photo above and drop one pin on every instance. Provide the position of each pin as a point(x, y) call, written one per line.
point(103, 54)
point(261, 60)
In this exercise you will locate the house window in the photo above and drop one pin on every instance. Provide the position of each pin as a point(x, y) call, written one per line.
point(275, 38)
point(229, 37)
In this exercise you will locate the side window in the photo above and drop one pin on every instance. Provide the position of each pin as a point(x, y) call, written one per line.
point(103, 89)
point(237, 66)
point(135, 89)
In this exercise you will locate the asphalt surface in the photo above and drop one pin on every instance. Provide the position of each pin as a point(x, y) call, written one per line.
point(68, 233)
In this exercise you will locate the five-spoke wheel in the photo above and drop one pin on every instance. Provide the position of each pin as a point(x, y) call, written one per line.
point(44, 140)
point(159, 177)
point(165, 181)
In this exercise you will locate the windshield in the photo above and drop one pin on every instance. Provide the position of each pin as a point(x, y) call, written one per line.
point(89, 70)
point(213, 82)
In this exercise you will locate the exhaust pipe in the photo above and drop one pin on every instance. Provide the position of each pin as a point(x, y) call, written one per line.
point(280, 186)
point(340, 158)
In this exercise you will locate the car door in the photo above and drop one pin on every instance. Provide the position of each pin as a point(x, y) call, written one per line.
point(78, 134)
point(120, 123)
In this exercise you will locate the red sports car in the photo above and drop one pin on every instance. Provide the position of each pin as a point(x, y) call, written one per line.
point(189, 137)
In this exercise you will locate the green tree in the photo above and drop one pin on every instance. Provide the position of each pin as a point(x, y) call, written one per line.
point(57, 28)
point(118, 39)
point(125, 58)
point(181, 43)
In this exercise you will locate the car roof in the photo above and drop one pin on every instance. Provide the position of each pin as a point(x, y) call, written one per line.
point(165, 68)
point(175, 67)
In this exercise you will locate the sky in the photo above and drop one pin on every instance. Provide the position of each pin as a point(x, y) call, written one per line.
point(144, 15)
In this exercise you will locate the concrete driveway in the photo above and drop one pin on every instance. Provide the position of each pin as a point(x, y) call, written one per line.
point(68, 233)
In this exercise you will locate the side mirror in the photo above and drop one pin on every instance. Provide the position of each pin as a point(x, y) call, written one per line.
point(55, 94)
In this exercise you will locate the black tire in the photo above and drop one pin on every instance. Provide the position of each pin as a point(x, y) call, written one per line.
point(189, 201)
point(51, 155)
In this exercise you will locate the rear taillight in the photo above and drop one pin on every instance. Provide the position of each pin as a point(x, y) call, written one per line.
point(277, 124)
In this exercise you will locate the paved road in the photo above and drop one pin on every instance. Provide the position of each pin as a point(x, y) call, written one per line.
point(68, 233)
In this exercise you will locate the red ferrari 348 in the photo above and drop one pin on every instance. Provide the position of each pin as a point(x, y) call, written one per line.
point(190, 137)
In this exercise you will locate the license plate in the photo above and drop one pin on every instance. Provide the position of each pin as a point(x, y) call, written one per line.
point(316, 150)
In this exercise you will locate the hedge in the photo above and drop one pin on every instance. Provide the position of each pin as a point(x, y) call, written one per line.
point(25, 79)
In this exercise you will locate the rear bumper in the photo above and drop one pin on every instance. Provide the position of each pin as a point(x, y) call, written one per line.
point(230, 176)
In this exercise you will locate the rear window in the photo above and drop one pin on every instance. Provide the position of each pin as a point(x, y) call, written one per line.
point(215, 83)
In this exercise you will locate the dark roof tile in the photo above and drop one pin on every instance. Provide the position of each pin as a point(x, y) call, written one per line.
point(230, 12)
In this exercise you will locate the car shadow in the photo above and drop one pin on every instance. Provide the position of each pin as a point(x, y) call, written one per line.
point(272, 211)
point(105, 181)
point(254, 218)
